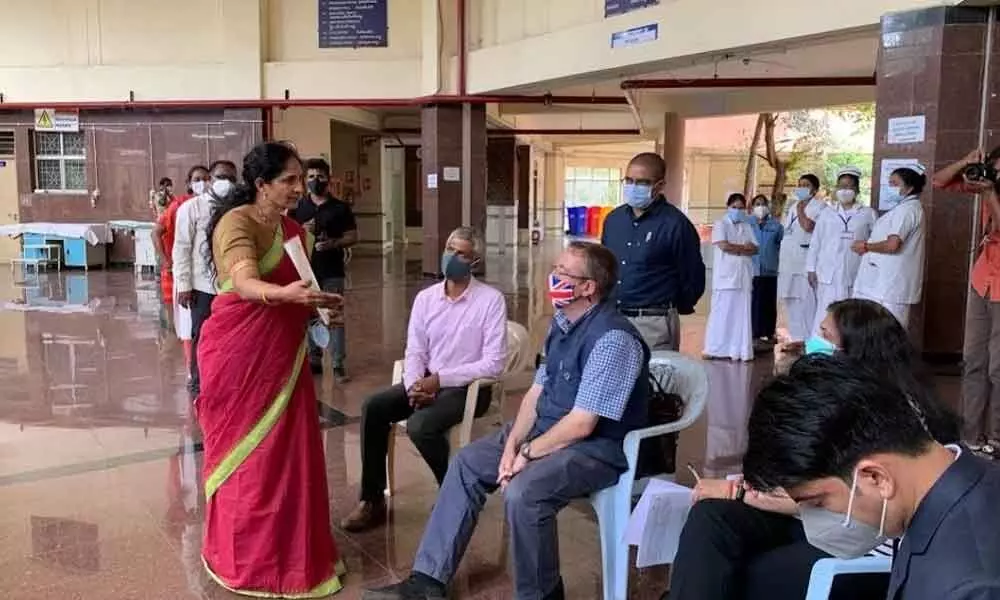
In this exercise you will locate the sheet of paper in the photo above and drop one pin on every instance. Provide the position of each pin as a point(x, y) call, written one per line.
point(656, 523)
point(662, 533)
point(888, 166)
point(906, 130)
point(300, 259)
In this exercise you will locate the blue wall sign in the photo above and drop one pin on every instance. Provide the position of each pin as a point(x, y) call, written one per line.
point(620, 7)
point(635, 36)
point(353, 23)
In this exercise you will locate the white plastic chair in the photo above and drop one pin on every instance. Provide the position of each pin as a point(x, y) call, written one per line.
point(825, 569)
point(461, 434)
point(679, 375)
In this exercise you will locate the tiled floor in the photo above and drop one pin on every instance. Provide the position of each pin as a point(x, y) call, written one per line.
point(98, 455)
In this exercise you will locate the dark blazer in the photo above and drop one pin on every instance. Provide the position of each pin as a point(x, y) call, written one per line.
point(951, 550)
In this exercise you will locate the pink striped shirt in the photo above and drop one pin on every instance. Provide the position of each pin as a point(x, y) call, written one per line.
point(461, 340)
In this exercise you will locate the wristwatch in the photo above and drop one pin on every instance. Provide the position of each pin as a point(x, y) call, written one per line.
point(741, 493)
point(526, 451)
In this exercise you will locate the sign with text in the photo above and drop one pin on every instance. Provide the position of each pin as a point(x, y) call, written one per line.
point(635, 36)
point(888, 166)
point(907, 130)
point(613, 8)
point(353, 23)
point(50, 119)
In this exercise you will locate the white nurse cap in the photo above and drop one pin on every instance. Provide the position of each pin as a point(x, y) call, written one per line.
point(853, 171)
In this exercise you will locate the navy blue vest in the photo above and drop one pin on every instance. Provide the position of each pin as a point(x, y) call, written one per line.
point(565, 357)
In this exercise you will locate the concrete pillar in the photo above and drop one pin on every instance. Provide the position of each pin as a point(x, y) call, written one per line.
point(930, 64)
point(443, 175)
point(672, 149)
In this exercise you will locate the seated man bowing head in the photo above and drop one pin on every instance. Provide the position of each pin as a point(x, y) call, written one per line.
point(565, 443)
point(855, 452)
point(457, 334)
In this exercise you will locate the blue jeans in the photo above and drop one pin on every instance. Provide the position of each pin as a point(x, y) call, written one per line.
point(531, 502)
point(338, 339)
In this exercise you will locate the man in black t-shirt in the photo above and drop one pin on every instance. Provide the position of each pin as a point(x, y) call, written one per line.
point(333, 224)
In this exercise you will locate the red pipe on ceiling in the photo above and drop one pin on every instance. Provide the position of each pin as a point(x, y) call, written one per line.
point(746, 82)
point(508, 132)
point(511, 132)
point(318, 103)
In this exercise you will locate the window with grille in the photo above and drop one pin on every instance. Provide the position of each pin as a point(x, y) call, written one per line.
point(60, 161)
point(586, 186)
point(6, 144)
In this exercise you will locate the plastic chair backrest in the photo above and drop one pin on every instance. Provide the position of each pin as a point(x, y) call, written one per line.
point(517, 345)
point(686, 377)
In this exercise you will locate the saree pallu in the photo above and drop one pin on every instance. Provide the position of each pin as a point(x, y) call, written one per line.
point(267, 517)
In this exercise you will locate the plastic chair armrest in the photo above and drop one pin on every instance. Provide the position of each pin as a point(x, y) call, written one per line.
point(865, 564)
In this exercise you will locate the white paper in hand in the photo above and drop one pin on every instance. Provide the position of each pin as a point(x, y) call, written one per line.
point(300, 259)
point(656, 523)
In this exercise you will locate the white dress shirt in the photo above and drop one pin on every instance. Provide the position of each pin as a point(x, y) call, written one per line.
point(192, 270)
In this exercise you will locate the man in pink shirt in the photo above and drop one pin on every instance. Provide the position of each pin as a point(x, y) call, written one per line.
point(457, 334)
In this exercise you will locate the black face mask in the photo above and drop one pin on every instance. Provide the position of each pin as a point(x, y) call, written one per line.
point(318, 187)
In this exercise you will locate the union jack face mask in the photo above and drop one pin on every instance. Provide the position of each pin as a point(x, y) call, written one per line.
point(561, 291)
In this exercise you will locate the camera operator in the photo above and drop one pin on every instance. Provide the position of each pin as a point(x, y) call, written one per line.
point(981, 373)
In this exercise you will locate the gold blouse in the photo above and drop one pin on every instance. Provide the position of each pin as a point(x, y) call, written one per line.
point(240, 240)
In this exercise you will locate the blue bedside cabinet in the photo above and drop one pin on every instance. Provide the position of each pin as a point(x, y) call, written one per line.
point(78, 253)
point(31, 246)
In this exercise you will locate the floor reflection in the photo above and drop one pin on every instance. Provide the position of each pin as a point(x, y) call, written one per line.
point(100, 454)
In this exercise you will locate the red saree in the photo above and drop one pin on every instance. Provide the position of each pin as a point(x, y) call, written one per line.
point(267, 517)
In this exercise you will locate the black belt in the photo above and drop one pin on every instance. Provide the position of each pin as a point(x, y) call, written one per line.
point(803, 245)
point(647, 312)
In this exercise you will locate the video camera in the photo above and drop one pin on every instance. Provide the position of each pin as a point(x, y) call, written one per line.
point(983, 171)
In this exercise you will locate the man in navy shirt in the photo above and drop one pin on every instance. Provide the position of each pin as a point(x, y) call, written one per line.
point(333, 224)
point(764, 304)
point(661, 273)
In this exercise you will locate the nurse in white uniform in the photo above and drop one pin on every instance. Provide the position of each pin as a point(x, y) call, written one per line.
point(729, 333)
point(831, 265)
point(892, 260)
point(798, 297)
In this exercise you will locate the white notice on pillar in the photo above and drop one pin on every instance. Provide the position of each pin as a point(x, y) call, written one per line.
point(452, 173)
point(907, 130)
point(888, 166)
point(432, 181)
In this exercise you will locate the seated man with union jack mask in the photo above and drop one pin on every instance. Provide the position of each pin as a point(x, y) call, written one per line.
point(565, 443)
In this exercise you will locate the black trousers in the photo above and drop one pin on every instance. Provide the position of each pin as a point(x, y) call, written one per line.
point(201, 309)
point(729, 550)
point(764, 306)
point(427, 427)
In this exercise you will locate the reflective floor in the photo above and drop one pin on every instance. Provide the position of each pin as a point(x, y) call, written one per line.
point(99, 456)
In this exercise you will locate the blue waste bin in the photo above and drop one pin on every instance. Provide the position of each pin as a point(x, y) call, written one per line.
point(577, 220)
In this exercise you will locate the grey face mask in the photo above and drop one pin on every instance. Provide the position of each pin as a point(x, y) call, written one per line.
point(838, 534)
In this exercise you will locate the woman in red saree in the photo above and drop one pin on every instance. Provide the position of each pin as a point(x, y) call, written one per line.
point(267, 516)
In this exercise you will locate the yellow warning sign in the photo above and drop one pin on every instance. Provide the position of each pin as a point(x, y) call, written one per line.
point(50, 119)
point(44, 120)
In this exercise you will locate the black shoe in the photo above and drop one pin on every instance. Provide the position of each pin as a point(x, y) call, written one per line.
point(557, 594)
point(415, 587)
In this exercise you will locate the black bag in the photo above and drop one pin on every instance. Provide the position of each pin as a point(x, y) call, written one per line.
point(659, 454)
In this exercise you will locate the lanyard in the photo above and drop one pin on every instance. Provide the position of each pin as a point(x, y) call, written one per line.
point(846, 222)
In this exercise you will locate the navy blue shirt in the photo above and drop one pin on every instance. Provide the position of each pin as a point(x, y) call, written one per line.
point(769, 233)
point(659, 257)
